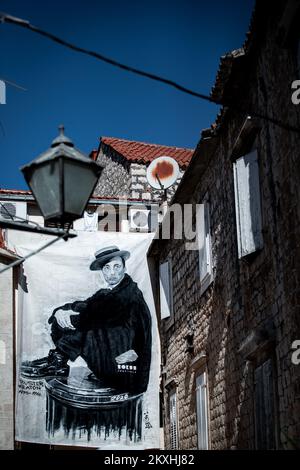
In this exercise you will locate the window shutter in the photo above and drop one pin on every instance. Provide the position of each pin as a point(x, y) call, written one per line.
point(165, 285)
point(247, 204)
point(173, 421)
point(264, 406)
point(201, 401)
point(204, 242)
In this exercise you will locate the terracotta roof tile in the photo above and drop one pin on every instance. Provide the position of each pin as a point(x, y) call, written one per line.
point(14, 191)
point(93, 155)
point(254, 34)
point(224, 73)
point(142, 152)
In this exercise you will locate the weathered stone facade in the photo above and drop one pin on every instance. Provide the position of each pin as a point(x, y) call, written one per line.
point(250, 311)
point(115, 178)
point(6, 353)
point(141, 189)
point(122, 177)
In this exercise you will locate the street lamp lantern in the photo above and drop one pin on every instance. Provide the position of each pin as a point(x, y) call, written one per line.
point(62, 180)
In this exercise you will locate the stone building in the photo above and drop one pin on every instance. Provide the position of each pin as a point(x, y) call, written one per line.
point(230, 301)
point(125, 163)
point(7, 345)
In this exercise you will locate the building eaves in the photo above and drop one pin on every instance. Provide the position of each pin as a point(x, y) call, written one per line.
point(234, 63)
point(189, 181)
point(20, 195)
point(228, 64)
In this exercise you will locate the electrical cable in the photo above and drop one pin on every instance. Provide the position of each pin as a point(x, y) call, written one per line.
point(21, 260)
point(9, 82)
point(5, 18)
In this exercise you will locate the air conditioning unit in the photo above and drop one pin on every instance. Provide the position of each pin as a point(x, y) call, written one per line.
point(14, 211)
point(139, 219)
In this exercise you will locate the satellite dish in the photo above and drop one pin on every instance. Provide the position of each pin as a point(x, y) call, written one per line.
point(162, 172)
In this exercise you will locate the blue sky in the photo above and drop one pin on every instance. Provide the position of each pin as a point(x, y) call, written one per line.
point(178, 39)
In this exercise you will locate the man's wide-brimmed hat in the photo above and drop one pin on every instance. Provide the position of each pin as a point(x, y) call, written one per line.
point(105, 254)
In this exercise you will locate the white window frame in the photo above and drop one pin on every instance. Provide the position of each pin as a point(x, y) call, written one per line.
point(204, 245)
point(247, 204)
point(202, 411)
point(166, 289)
point(173, 420)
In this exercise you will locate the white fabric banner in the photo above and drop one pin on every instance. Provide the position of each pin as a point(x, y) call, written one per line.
point(93, 310)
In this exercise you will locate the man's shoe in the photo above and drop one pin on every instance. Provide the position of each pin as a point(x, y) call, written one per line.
point(38, 362)
point(54, 365)
point(46, 371)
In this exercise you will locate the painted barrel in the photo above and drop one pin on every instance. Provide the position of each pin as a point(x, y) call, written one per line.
point(80, 404)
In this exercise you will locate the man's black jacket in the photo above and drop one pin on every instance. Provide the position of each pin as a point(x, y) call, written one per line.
point(112, 322)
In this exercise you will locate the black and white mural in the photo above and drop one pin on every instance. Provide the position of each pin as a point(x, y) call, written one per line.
point(88, 348)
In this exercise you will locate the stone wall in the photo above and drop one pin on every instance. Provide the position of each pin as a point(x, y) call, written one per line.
point(245, 296)
point(141, 189)
point(6, 361)
point(115, 178)
point(123, 178)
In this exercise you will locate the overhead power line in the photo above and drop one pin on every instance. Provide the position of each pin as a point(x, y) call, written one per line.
point(6, 18)
point(34, 252)
point(9, 82)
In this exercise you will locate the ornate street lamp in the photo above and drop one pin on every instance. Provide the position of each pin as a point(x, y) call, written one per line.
point(62, 179)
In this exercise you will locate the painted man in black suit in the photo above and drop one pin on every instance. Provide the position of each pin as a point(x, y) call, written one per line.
point(111, 331)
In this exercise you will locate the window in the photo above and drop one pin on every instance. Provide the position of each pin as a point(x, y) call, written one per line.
point(204, 244)
point(166, 291)
point(264, 406)
point(173, 421)
point(201, 403)
point(247, 204)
